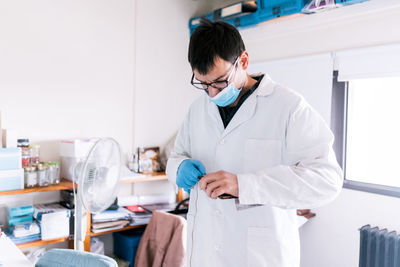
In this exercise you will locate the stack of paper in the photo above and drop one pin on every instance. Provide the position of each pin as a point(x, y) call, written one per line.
point(139, 218)
point(110, 220)
point(139, 215)
point(160, 206)
point(99, 227)
point(143, 200)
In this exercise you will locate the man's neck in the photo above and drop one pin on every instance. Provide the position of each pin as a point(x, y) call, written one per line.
point(249, 83)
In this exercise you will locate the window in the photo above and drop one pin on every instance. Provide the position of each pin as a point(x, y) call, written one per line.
point(366, 122)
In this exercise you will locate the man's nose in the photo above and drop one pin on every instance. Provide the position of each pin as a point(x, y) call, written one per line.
point(213, 91)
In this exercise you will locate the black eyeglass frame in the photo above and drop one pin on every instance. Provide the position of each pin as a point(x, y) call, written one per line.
point(204, 86)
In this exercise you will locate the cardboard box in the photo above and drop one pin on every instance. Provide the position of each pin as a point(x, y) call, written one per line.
point(72, 152)
point(53, 220)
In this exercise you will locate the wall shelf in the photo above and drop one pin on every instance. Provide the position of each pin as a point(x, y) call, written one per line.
point(37, 243)
point(129, 227)
point(40, 243)
point(151, 177)
point(63, 185)
point(66, 184)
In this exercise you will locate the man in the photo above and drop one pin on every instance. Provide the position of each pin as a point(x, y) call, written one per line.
point(255, 141)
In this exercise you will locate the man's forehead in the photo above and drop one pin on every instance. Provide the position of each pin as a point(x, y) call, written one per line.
point(219, 69)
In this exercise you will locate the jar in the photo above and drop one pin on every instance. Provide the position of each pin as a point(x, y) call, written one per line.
point(42, 174)
point(30, 176)
point(54, 172)
point(34, 153)
point(23, 142)
point(25, 152)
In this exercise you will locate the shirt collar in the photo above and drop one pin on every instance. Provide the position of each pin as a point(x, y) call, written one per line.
point(266, 86)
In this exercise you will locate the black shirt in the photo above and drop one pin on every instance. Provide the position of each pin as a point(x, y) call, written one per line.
point(227, 113)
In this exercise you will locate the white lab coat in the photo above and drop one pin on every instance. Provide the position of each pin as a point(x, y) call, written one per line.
point(281, 150)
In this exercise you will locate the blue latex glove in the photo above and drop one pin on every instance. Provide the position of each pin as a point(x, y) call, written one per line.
point(188, 172)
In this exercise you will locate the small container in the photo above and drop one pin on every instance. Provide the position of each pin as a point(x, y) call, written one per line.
point(135, 164)
point(25, 151)
point(23, 142)
point(54, 172)
point(42, 174)
point(30, 175)
point(34, 153)
point(26, 160)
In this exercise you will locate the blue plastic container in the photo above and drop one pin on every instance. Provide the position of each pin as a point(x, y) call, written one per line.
point(195, 21)
point(269, 9)
point(10, 159)
point(266, 10)
point(21, 211)
point(349, 2)
point(126, 244)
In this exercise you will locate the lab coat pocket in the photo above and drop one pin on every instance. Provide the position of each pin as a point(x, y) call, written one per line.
point(262, 247)
point(261, 154)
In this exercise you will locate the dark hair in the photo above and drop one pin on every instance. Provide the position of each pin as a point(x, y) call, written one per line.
point(213, 39)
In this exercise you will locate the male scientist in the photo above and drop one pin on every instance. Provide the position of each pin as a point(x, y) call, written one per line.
point(250, 152)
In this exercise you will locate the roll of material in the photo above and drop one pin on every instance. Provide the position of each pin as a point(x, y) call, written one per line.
point(143, 200)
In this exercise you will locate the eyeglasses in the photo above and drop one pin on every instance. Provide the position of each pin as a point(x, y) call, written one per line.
point(220, 85)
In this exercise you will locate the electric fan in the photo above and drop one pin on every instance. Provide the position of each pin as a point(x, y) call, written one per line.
point(97, 178)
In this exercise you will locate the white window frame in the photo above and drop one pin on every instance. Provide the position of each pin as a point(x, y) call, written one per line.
point(339, 128)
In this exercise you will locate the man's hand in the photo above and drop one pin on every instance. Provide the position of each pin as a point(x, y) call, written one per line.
point(218, 183)
point(188, 172)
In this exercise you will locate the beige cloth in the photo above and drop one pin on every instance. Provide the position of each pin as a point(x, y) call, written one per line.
point(163, 243)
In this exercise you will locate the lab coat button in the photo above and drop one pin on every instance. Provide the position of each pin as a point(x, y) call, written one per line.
point(222, 142)
point(218, 213)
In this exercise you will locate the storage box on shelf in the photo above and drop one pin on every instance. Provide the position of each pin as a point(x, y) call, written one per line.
point(53, 219)
point(73, 151)
point(21, 225)
point(11, 172)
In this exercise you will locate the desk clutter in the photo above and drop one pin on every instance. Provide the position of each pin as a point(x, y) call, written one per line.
point(111, 219)
point(129, 210)
point(55, 220)
point(21, 225)
point(116, 218)
point(20, 167)
point(37, 173)
point(38, 222)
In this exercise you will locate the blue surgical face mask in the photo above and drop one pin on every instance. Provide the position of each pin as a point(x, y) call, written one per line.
point(226, 96)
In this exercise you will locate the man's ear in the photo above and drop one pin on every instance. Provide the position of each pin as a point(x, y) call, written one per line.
point(244, 60)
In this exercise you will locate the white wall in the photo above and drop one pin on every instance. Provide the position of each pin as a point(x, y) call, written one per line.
point(66, 71)
point(311, 76)
point(366, 24)
point(163, 91)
